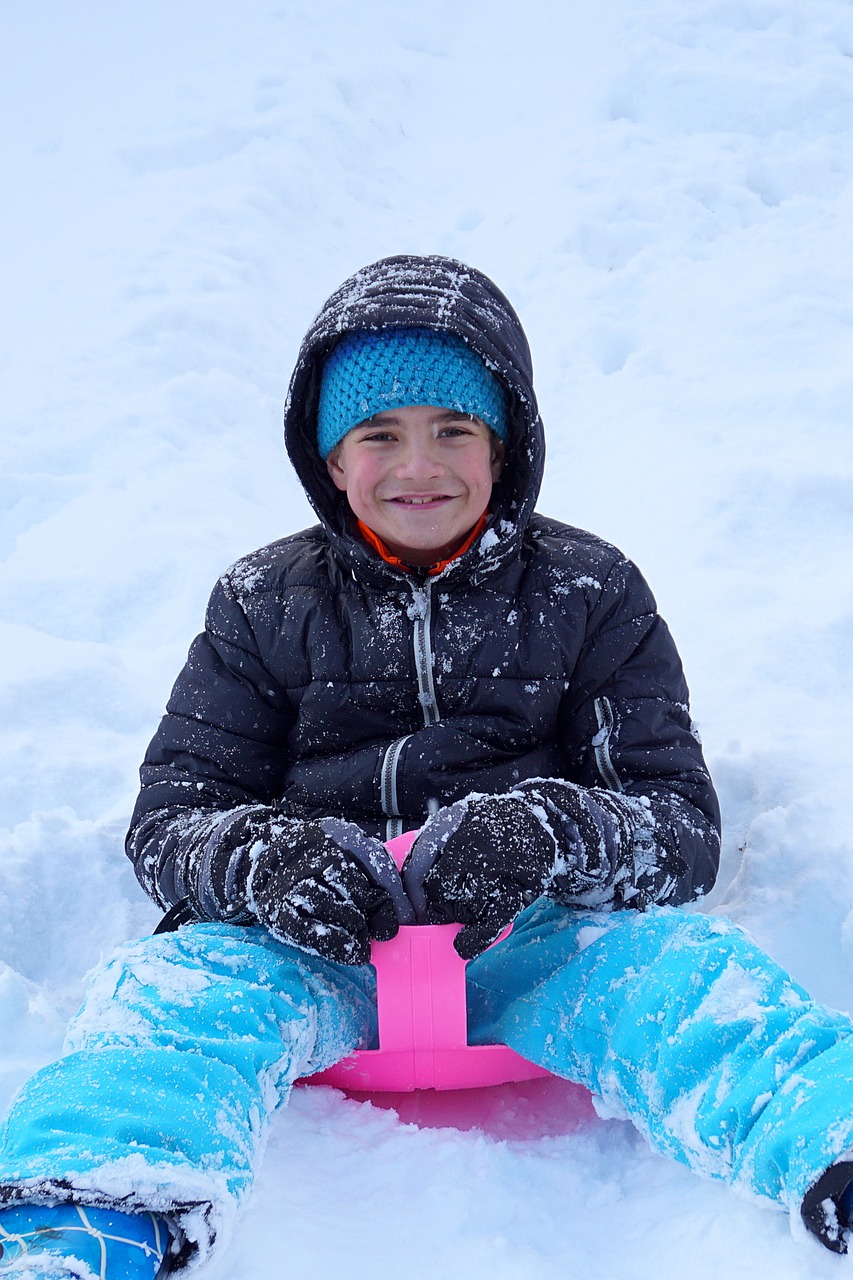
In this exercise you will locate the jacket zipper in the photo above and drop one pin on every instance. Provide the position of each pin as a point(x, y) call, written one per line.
point(422, 642)
point(601, 744)
point(388, 785)
point(422, 650)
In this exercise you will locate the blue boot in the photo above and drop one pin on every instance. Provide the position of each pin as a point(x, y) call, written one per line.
point(69, 1240)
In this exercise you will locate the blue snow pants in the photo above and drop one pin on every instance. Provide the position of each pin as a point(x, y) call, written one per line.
point(188, 1041)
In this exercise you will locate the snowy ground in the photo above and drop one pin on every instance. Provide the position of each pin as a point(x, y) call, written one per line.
point(664, 190)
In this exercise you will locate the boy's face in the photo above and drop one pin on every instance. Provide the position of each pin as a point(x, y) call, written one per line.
point(419, 477)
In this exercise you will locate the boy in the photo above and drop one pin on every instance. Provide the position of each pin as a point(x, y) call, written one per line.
point(435, 656)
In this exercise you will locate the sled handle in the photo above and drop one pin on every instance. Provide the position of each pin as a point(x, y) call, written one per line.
point(423, 1017)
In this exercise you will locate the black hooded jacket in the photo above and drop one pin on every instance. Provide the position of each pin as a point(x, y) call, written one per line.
point(328, 682)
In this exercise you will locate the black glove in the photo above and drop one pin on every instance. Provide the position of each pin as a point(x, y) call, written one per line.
point(480, 861)
point(327, 887)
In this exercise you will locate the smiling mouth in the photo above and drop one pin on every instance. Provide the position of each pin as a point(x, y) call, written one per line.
point(422, 500)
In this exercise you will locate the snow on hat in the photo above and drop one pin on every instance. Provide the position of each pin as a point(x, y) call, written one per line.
point(374, 370)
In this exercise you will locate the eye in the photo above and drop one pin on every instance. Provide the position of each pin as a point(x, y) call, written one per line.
point(377, 436)
point(464, 425)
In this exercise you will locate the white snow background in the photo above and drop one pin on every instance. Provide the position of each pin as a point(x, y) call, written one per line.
point(663, 189)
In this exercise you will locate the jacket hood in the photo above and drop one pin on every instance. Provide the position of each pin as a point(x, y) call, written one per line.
point(430, 293)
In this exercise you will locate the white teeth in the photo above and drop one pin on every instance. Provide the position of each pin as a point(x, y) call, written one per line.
point(415, 502)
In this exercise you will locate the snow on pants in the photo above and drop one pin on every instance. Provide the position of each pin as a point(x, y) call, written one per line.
point(188, 1041)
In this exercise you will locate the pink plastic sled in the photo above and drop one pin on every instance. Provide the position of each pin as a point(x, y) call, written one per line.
point(423, 1025)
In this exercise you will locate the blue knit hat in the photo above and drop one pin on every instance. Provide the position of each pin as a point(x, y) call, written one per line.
point(374, 370)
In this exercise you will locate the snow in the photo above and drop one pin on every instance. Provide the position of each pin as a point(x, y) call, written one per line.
point(664, 191)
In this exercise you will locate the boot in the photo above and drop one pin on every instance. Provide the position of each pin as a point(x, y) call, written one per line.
point(65, 1241)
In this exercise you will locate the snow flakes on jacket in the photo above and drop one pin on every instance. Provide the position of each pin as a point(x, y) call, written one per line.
point(328, 682)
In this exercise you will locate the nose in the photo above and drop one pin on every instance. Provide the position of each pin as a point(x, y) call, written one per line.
point(420, 461)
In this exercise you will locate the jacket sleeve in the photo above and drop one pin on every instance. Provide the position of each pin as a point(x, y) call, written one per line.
point(213, 771)
point(627, 732)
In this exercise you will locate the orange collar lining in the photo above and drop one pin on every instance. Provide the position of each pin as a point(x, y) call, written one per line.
point(373, 540)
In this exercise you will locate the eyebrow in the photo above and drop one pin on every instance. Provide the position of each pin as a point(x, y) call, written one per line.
point(388, 416)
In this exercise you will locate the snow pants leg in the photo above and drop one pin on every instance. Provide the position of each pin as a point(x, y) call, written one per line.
point(682, 1023)
point(188, 1041)
point(185, 1044)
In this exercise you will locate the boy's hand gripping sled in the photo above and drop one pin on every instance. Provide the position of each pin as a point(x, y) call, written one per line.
point(423, 1024)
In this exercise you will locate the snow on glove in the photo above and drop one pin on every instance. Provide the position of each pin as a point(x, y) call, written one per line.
point(618, 851)
point(329, 888)
point(481, 861)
